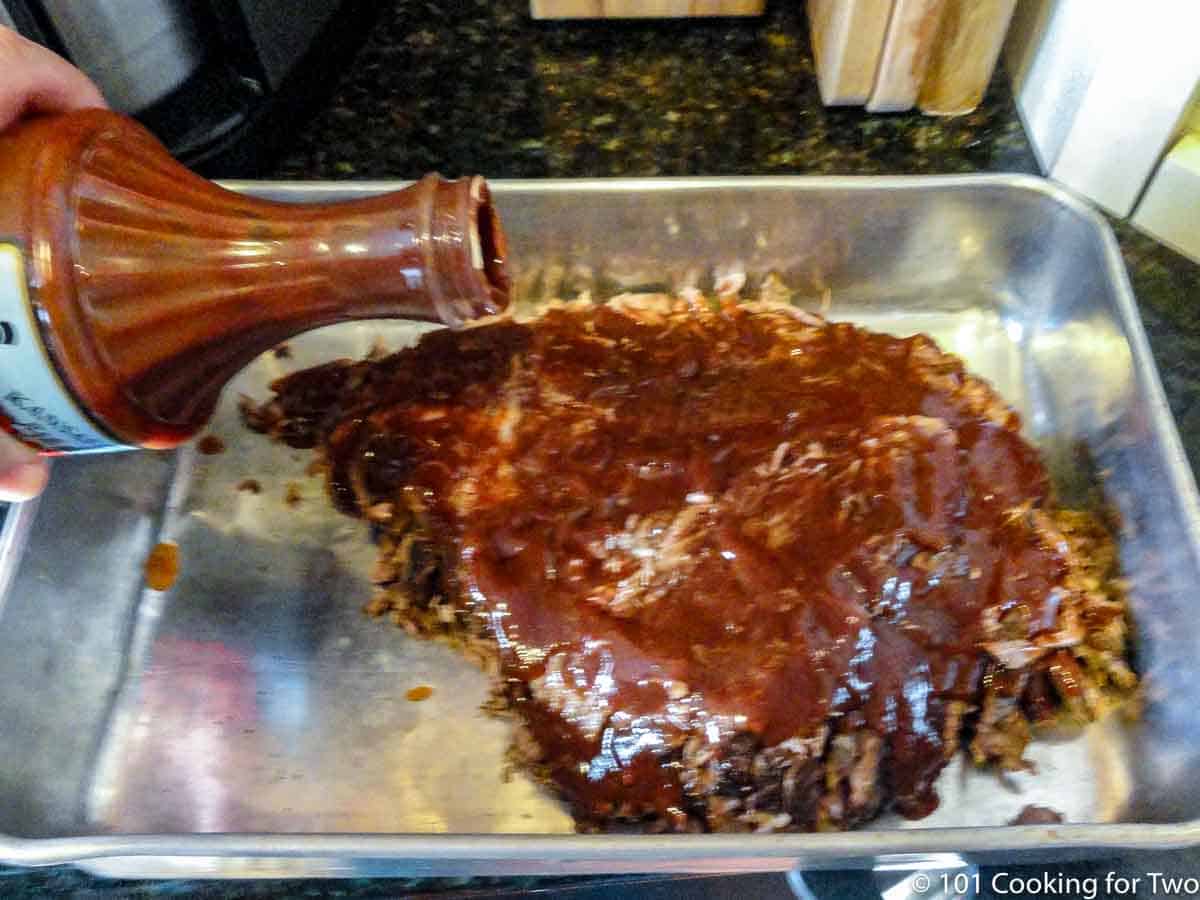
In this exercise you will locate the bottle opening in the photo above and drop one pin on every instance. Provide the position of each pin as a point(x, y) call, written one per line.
point(469, 270)
point(494, 251)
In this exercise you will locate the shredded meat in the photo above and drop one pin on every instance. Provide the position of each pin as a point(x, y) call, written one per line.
point(735, 568)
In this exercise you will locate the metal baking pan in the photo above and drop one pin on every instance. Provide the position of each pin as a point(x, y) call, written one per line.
point(252, 721)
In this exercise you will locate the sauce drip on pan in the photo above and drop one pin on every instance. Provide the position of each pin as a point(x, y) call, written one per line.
point(162, 566)
point(709, 524)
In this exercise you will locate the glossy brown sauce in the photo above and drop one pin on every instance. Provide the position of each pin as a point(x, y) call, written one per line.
point(162, 566)
point(709, 524)
point(210, 445)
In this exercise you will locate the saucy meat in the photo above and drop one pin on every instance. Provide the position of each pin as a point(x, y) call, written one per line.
point(735, 567)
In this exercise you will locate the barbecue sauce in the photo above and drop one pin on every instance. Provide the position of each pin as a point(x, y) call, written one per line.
point(132, 290)
point(707, 525)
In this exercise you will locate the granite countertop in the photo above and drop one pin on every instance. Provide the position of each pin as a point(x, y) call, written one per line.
point(476, 86)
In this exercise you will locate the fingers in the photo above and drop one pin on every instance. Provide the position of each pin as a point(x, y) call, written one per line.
point(33, 80)
point(23, 473)
point(36, 80)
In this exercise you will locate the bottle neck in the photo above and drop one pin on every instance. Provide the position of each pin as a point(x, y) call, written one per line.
point(165, 285)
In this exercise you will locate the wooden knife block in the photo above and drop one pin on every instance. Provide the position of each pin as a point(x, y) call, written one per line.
point(643, 9)
point(892, 55)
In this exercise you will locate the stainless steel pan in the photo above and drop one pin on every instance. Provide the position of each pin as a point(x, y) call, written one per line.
point(251, 721)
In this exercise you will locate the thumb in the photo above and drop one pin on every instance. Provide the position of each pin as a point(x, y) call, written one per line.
point(23, 473)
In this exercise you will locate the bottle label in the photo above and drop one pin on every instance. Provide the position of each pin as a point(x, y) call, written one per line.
point(34, 404)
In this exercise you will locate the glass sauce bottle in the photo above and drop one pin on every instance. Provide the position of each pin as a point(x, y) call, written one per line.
point(132, 290)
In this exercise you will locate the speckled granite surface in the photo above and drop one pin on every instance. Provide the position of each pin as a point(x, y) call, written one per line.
point(475, 86)
point(1167, 286)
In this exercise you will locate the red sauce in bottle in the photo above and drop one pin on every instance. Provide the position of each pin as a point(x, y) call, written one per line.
point(132, 290)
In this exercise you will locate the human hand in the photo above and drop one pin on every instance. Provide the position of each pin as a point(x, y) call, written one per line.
point(23, 473)
point(35, 80)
